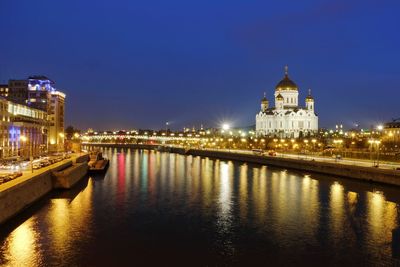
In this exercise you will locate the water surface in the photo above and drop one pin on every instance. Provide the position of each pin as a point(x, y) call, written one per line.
point(155, 208)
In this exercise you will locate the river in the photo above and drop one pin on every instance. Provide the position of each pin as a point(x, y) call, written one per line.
point(156, 208)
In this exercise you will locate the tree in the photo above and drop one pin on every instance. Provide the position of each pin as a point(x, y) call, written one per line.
point(70, 131)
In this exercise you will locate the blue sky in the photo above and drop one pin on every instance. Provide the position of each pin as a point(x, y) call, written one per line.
point(136, 64)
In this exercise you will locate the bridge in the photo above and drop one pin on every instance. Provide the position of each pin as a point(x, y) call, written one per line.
point(142, 137)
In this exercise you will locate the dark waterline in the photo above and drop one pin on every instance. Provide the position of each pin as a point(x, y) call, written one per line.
point(155, 208)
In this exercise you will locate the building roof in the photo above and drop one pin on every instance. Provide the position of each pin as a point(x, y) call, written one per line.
point(279, 97)
point(392, 124)
point(40, 77)
point(286, 83)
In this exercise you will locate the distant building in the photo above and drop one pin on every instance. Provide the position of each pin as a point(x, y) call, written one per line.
point(287, 118)
point(391, 131)
point(4, 90)
point(18, 91)
point(56, 120)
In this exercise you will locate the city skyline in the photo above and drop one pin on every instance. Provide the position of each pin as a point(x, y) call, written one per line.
point(168, 62)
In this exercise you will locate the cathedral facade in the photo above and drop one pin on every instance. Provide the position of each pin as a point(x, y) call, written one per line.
point(287, 119)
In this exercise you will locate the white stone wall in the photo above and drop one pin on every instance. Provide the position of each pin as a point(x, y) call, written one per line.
point(286, 124)
point(291, 98)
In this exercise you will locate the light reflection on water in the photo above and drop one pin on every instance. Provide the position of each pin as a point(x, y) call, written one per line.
point(219, 212)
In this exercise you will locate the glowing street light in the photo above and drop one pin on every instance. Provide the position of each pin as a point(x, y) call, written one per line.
point(225, 126)
point(24, 139)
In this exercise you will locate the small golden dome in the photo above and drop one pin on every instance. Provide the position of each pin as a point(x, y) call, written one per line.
point(309, 98)
point(264, 99)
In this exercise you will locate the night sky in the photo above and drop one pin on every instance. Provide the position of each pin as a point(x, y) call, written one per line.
point(137, 64)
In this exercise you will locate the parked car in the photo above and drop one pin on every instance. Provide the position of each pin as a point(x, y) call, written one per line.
point(257, 151)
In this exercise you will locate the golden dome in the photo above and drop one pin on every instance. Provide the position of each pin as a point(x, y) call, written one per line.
point(309, 98)
point(286, 83)
point(264, 100)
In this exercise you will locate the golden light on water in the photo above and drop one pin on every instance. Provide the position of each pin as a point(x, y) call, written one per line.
point(225, 190)
point(337, 212)
point(22, 247)
point(381, 219)
point(243, 191)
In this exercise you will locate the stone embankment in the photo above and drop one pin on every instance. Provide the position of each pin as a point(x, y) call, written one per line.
point(371, 174)
point(20, 193)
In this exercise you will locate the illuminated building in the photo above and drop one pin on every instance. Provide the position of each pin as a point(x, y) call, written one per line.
point(287, 118)
point(4, 90)
point(38, 92)
point(56, 121)
point(18, 120)
point(391, 131)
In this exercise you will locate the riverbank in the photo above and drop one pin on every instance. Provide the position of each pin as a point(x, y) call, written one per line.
point(370, 174)
point(21, 192)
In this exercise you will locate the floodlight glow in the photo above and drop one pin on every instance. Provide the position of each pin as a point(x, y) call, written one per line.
point(225, 126)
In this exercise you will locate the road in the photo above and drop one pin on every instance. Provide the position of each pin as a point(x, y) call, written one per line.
point(346, 161)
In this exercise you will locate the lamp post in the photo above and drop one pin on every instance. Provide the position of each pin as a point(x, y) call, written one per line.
point(377, 156)
point(24, 139)
point(339, 143)
point(62, 141)
point(313, 141)
point(373, 142)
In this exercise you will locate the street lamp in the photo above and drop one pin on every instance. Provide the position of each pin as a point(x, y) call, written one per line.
point(62, 140)
point(24, 139)
point(166, 126)
point(373, 142)
point(377, 156)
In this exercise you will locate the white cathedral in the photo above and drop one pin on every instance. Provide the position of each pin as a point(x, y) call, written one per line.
point(287, 118)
